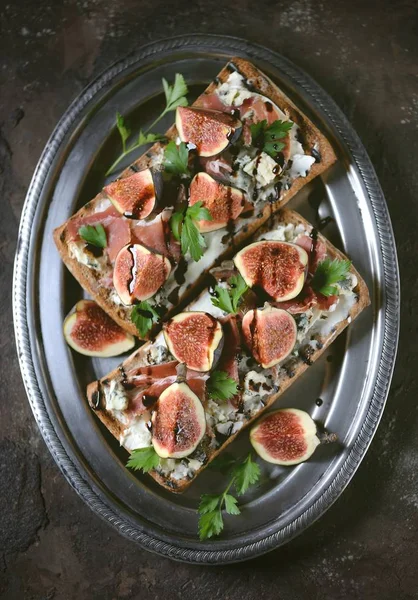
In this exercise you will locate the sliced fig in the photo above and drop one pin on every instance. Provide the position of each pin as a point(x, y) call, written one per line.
point(139, 273)
point(277, 268)
point(90, 331)
point(194, 338)
point(178, 423)
point(270, 334)
point(209, 130)
point(224, 203)
point(135, 196)
point(287, 437)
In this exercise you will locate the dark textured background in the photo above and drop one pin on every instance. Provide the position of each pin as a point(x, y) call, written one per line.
point(365, 54)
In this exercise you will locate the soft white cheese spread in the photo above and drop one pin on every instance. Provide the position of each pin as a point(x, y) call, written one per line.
point(301, 165)
point(115, 395)
point(262, 168)
point(137, 435)
point(78, 251)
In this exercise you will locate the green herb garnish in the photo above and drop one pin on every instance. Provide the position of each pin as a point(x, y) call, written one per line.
point(94, 235)
point(211, 506)
point(144, 459)
point(229, 299)
point(176, 159)
point(267, 137)
point(183, 226)
point(328, 273)
point(175, 95)
point(144, 316)
point(220, 386)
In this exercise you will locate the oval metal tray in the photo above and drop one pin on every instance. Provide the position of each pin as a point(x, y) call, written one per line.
point(352, 380)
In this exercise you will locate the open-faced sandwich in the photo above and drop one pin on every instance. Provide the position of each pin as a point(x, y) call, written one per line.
point(191, 249)
point(268, 314)
point(146, 242)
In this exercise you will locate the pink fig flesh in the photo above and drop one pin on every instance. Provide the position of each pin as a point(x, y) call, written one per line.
point(178, 423)
point(277, 268)
point(139, 273)
point(90, 331)
point(194, 338)
point(134, 196)
point(224, 203)
point(209, 130)
point(270, 334)
point(285, 437)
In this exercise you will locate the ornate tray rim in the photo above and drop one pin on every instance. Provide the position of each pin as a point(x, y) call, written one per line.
point(391, 308)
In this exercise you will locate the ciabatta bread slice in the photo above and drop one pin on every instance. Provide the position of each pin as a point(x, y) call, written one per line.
point(241, 87)
point(116, 399)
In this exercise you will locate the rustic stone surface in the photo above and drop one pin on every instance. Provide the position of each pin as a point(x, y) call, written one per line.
point(365, 54)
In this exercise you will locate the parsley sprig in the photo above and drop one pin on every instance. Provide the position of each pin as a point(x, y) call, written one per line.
point(183, 226)
point(176, 159)
point(220, 386)
point(210, 509)
point(229, 299)
point(143, 316)
point(175, 95)
point(94, 235)
point(328, 273)
point(267, 137)
point(144, 459)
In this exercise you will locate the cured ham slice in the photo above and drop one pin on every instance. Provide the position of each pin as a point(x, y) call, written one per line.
point(118, 235)
point(103, 217)
point(316, 250)
point(156, 235)
point(300, 304)
point(213, 102)
point(150, 382)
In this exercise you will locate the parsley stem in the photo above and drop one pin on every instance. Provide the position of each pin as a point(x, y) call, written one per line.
point(121, 157)
point(156, 121)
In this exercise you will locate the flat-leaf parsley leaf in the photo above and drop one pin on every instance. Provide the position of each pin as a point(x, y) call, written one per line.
point(144, 316)
point(94, 235)
point(175, 95)
point(144, 459)
point(211, 505)
point(220, 386)
point(328, 273)
point(228, 299)
point(183, 226)
point(267, 137)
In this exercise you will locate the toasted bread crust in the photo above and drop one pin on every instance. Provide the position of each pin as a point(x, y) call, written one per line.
point(139, 358)
point(88, 278)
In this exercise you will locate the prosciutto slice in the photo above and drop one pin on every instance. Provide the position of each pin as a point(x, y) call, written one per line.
point(118, 232)
point(213, 102)
point(150, 382)
point(104, 218)
point(316, 250)
point(156, 235)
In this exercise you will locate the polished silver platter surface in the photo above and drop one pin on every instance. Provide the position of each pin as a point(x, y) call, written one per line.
point(352, 379)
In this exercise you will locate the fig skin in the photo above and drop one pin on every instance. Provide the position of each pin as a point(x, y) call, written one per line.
point(211, 131)
point(194, 338)
point(277, 268)
point(178, 423)
point(90, 331)
point(270, 334)
point(135, 196)
point(224, 202)
point(139, 273)
point(285, 437)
